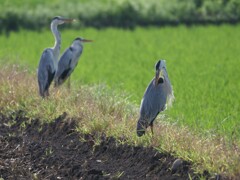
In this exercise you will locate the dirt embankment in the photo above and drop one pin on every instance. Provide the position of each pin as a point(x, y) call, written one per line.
point(56, 151)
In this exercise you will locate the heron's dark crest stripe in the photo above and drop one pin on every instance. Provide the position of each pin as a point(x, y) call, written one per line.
point(56, 17)
point(158, 65)
point(78, 38)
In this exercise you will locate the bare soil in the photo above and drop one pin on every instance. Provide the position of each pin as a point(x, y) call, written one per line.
point(31, 150)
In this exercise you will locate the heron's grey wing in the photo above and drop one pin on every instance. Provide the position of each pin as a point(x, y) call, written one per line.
point(76, 51)
point(145, 111)
point(64, 66)
point(146, 107)
point(153, 102)
point(46, 71)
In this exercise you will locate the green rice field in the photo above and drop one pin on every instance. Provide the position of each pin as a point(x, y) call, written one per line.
point(202, 62)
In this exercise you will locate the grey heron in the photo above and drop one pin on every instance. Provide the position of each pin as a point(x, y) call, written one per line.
point(69, 61)
point(48, 61)
point(157, 96)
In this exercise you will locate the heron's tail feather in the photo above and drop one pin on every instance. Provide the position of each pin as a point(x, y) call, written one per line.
point(41, 89)
point(140, 128)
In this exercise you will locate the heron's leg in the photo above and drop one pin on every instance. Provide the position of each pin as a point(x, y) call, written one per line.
point(47, 93)
point(69, 83)
point(57, 91)
point(151, 126)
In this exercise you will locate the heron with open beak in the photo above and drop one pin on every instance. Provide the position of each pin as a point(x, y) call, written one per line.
point(157, 96)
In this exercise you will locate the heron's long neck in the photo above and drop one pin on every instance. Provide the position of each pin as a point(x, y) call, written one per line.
point(57, 45)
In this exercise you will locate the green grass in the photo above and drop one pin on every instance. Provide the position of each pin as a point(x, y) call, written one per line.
point(202, 64)
point(100, 110)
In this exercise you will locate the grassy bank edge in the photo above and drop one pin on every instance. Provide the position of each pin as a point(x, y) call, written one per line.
point(100, 109)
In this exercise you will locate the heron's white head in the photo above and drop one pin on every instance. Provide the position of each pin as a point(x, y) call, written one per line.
point(161, 71)
point(60, 20)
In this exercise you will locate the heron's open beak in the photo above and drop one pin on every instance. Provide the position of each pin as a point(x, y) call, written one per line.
point(159, 74)
point(87, 40)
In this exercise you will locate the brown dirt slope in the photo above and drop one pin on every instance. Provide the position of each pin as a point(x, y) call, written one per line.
point(31, 150)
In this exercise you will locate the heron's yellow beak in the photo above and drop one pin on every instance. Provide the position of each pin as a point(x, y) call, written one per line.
point(68, 20)
point(87, 40)
point(159, 74)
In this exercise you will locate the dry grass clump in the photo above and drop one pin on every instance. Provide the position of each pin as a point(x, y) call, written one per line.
point(100, 110)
